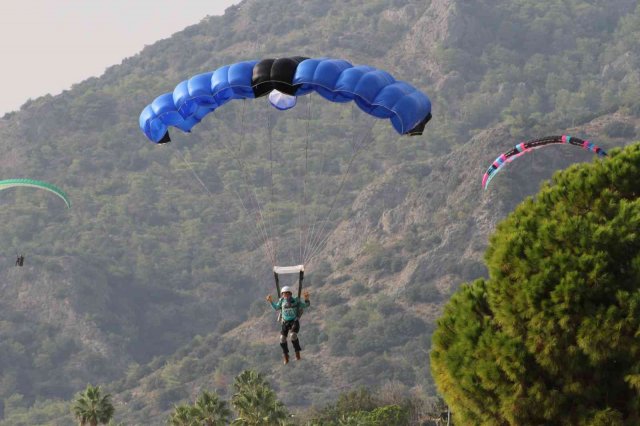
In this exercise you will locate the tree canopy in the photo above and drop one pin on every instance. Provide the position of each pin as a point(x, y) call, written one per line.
point(551, 337)
point(92, 407)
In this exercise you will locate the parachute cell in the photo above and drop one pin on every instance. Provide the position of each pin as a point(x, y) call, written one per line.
point(375, 91)
point(524, 147)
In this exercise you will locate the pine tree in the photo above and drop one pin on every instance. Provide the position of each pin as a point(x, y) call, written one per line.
point(553, 336)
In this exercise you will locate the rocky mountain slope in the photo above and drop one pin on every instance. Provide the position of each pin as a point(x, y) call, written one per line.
point(149, 286)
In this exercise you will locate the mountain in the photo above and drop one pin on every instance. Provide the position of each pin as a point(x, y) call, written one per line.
point(150, 284)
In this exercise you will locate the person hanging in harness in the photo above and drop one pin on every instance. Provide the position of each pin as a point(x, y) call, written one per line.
point(290, 310)
point(20, 260)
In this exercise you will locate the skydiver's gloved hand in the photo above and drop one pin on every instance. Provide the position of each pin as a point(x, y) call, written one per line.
point(269, 299)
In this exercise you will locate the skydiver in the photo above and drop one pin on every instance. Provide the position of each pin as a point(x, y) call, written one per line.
point(291, 309)
point(22, 260)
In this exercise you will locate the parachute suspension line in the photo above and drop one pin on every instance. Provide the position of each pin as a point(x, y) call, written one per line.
point(254, 238)
point(315, 238)
point(315, 220)
point(270, 213)
point(260, 223)
point(209, 193)
point(357, 147)
point(195, 174)
point(352, 142)
point(259, 226)
point(303, 206)
point(319, 240)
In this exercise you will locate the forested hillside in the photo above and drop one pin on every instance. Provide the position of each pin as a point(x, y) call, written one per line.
point(153, 285)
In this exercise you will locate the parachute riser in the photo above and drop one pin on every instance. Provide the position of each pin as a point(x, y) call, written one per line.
point(275, 275)
point(288, 270)
point(300, 278)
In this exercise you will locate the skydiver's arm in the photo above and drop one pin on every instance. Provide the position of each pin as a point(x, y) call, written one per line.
point(305, 304)
point(276, 305)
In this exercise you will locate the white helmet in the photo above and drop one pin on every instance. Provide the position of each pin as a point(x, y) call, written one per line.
point(286, 289)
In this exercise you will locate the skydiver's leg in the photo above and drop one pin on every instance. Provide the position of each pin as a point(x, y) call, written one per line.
point(295, 328)
point(283, 340)
point(284, 345)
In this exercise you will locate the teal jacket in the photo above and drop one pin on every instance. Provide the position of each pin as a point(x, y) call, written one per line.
point(290, 310)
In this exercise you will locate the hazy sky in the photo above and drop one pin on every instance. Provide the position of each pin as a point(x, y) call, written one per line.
point(48, 45)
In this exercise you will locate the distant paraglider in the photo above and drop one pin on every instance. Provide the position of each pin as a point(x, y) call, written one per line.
point(31, 183)
point(524, 147)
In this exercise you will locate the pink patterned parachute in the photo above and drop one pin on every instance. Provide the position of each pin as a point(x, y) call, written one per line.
point(524, 147)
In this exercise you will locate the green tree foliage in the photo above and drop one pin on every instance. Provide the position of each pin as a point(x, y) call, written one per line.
point(552, 336)
point(518, 66)
point(142, 261)
point(182, 415)
point(361, 407)
point(357, 400)
point(18, 413)
point(391, 415)
point(618, 129)
point(208, 410)
point(92, 408)
point(255, 401)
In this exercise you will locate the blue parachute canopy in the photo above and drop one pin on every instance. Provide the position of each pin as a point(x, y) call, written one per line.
point(375, 92)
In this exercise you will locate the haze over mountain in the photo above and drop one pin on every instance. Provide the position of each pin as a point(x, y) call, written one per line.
point(152, 287)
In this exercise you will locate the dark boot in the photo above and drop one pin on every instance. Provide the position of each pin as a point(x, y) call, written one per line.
point(286, 359)
point(298, 355)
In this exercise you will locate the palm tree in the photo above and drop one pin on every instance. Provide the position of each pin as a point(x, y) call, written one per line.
point(92, 408)
point(210, 410)
point(255, 402)
point(183, 415)
point(248, 378)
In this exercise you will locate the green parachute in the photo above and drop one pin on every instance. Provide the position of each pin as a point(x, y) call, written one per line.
point(31, 183)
